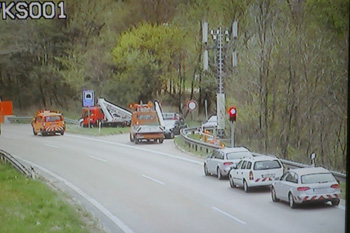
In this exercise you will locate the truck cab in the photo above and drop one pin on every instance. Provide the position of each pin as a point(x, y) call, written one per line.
point(91, 117)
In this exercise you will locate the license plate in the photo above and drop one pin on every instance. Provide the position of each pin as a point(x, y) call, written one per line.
point(268, 176)
point(320, 190)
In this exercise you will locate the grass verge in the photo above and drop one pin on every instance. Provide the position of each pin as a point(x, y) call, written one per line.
point(31, 206)
point(95, 131)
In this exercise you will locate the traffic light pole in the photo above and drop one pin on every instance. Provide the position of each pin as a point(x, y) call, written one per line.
point(232, 134)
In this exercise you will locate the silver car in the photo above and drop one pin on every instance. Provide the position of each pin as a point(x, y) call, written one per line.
point(305, 185)
point(256, 172)
point(220, 162)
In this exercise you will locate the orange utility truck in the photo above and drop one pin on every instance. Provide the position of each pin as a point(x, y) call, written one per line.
point(106, 113)
point(48, 122)
point(146, 123)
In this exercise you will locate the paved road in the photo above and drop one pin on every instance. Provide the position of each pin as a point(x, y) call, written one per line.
point(157, 188)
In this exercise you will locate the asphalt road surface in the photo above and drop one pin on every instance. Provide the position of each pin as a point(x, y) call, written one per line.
point(157, 188)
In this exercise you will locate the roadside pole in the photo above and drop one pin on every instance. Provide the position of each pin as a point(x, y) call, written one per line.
point(232, 134)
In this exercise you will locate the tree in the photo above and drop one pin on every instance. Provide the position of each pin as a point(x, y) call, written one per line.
point(149, 59)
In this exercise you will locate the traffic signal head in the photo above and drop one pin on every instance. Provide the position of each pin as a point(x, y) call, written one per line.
point(232, 114)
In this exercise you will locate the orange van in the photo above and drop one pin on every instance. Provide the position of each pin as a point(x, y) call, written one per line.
point(48, 122)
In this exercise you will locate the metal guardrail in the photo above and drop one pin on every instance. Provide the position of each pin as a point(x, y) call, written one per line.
point(8, 158)
point(207, 148)
point(16, 119)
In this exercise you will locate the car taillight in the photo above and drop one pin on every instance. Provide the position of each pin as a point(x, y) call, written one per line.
point(335, 186)
point(302, 188)
point(227, 163)
point(251, 176)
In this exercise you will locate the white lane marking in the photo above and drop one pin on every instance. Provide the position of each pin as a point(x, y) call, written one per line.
point(49, 145)
point(9, 137)
point(97, 158)
point(228, 215)
point(154, 180)
point(141, 149)
point(99, 206)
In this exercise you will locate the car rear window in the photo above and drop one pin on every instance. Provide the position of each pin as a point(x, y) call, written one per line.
point(238, 155)
point(317, 178)
point(52, 118)
point(267, 164)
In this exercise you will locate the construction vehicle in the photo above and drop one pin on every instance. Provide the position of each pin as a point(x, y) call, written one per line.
point(48, 122)
point(106, 113)
point(146, 123)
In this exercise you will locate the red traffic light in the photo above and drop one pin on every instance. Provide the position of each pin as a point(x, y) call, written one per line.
point(232, 114)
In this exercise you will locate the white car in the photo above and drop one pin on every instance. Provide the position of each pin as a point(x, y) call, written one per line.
point(256, 171)
point(212, 122)
point(305, 185)
point(221, 161)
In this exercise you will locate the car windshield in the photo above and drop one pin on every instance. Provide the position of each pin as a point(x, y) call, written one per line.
point(317, 178)
point(52, 118)
point(238, 155)
point(266, 164)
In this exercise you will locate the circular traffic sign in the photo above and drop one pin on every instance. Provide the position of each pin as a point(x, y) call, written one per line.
point(191, 105)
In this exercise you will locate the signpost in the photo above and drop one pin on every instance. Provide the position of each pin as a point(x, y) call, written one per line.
point(88, 101)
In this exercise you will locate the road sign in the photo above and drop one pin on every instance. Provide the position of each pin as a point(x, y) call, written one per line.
point(192, 105)
point(88, 98)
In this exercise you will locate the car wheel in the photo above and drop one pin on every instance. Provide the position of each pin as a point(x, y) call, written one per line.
point(35, 133)
point(136, 141)
point(273, 195)
point(132, 139)
point(219, 173)
point(62, 132)
point(232, 183)
point(292, 204)
point(335, 202)
point(245, 186)
point(206, 170)
point(161, 140)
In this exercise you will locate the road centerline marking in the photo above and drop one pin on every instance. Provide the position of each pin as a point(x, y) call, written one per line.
point(229, 215)
point(140, 149)
point(97, 158)
point(8, 137)
point(154, 180)
point(49, 145)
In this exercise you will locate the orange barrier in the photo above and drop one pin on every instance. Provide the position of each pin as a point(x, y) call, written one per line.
point(5, 109)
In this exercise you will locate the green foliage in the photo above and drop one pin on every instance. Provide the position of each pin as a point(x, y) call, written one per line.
point(332, 14)
point(146, 58)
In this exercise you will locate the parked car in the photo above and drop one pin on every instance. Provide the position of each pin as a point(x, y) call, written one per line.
point(212, 122)
point(256, 171)
point(305, 185)
point(173, 124)
point(220, 162)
